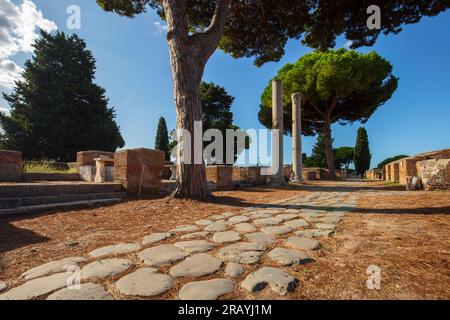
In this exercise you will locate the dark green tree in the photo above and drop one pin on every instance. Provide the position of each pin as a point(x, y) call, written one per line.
point(340, 86)
point(343, 157)
point(162, 138)
point(57, 110)
point(362, 154)
point(391, 159)
point(259, 28)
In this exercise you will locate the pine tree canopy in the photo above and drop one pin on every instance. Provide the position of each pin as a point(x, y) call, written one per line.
point(57, 110)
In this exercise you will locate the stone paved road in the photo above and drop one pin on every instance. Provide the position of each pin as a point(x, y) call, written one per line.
point(214, 254)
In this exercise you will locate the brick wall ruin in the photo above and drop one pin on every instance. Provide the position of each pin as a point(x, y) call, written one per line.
point(10, 166)
point(221, 176)
point(250, 175)
point(139, 170)
point(435, 173)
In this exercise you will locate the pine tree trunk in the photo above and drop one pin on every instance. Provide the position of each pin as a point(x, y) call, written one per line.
point(329, 149)
point(188, 56)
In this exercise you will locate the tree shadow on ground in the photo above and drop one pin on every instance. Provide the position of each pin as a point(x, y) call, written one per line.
point(13, 237)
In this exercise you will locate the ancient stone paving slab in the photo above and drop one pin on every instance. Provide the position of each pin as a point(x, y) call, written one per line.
point(216, 217)
point(268, 221)
point(144, 282)
point(217, 226)
point(198, 265)
point(261, 215)
point(278, 280)
point(206, 290)
point(117, 249)
point(243, 252)
point(87, 291)
point(296, 211)
point(194, 246)
point(244, 227)
point(325, 226)
point(287, 216)
point(52, 267)
point(3, 286)
point(185, 228)
point(297, 223)
point(226, 236)
point(105, 268)
point(314, 233)
point(239, 219)
point(302, 243)
point(161, 255)
point(37, 287)
point(195, 235)
point(233, 270)
point(261, 238)
point(287, 257)
point(203, 222)
point(155, 237)
point(276, 230)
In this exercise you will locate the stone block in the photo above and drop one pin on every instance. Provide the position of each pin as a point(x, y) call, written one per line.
point(250, 175)
point(221, 176)
point(86, 158)
point(10, 166)
point(139, 170)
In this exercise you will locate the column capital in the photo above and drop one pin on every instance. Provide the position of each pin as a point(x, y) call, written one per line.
point(297, 97)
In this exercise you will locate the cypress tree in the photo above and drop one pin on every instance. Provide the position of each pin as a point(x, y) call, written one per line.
point(162, 138)
point(362, 154)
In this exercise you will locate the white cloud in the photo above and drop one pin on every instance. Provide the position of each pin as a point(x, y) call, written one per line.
point(348, 44)
point(4, 110)
point(160, 27)
point(19, 26)
point(9, 72)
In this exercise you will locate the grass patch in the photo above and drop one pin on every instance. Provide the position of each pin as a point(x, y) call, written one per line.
point(46, 167)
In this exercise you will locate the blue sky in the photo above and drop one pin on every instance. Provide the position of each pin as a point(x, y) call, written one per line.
point(133, 67)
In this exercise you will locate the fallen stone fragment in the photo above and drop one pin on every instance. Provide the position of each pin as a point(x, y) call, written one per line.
point(302, 243)
point(155, 237)
point(117, 249)
point(217, 226)
point(185, 228)
point(206, 290)
point(198, 265)
point(195, 235)
point(226, 236)
point(203, 222)
point(195, 246)
point(297, 223)
point(261, 238)
point(87, 291)
point(268, 221)
point(239, 219)
point(278, 280)
point(233, 270)
point(37, 287)
point(144, 282)
point(105, 268)
point(288, 257)
point(161, 255)
point(244, 227)
point(276, 230)
point(52, 267)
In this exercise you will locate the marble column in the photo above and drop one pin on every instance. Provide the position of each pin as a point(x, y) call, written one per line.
point(297, 137)
point(277, 133)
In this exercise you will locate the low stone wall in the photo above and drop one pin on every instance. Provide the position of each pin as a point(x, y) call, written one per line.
point(10, 166)
point(250, 175)
point(221, 176)
point(374, 174)
point(435, 173)
point(139, 170)
point(309, 175)
point(50, 177)
point(86, 158)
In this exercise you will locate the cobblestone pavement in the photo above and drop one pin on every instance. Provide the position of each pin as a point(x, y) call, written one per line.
point(214, 254)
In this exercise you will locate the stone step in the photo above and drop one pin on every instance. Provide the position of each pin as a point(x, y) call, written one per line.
point(23, 190)
point(60, 206)
point(10, 203)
